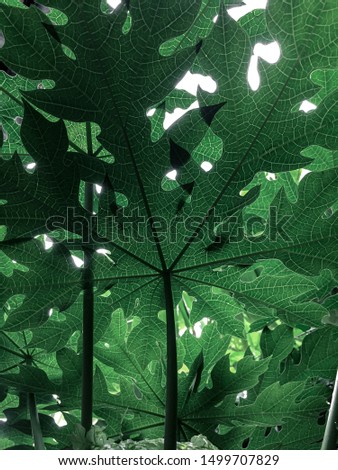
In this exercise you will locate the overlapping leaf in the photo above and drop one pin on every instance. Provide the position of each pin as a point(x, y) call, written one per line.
point(108, 69)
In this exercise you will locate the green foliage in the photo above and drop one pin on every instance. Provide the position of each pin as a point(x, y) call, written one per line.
point(96, 438)
point(215, 293)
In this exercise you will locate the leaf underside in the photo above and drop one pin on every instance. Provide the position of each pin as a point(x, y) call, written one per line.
point(249, 247)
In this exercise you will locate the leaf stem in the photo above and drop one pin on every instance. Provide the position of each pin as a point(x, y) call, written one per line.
point(77, 148)
point(331, 433)
point(35, 422)
point(170, 433)
point(88, 313)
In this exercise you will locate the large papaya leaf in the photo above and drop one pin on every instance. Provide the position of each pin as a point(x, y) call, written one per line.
point(121, 116)
point(216, 410)
point(165, 236)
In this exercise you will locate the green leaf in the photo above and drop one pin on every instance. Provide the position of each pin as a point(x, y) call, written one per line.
point(318, 357)
point(184, 230)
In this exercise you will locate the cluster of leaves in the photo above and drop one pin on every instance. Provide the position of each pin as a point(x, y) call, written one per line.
point(214, 295)
point(97, 439)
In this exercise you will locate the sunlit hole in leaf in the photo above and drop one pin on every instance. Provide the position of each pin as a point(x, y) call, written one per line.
point(303, 173)
point(198, 327)
point(253, 75)
point(206, 166)
point(241, 396)
point(170, 118)
point(103, 251)
point(151, 112)
point(271, 176)
point(278, 428)
point(77, 261)
point(98, 188)
point(47, 242)
point(268, 52)
point(59, 419)
point(107, 254)
point(172, 175)
point(30, 167)
point(114, 3)
point(307, 106)
point(191, 81)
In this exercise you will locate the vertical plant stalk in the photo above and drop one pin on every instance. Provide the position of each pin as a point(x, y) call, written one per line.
point(88, 310)
point(331, 433)
point(170, 432)
point(35, 422)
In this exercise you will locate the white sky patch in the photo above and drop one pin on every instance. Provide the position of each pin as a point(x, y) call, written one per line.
point(271, 176)
point(237, 12)
point(103, 251)
point(151, 112)
point(191, 81)
point(77, 261)
point(50, 313)
point(270, 53)
point(198, 327)
point(243, 395)
point(113, 3)
point(98, 188)
point(31, 166)
point(59, 419)
point(170, 118)
point(47, 242)
point(206, 166)
point(254, 79)
point(303, 173)
point(307, 106)
point(172, 175)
